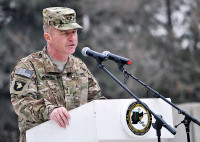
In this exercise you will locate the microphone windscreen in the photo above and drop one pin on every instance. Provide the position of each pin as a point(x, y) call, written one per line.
point(84, 50)
point(105, 53)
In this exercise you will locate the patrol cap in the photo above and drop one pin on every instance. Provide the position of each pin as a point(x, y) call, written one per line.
point(61, 18)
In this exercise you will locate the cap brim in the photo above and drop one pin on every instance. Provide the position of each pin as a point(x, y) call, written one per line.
point(70, 26)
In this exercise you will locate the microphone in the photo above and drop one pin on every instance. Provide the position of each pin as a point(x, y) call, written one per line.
point(86, 51)
point(116, 58)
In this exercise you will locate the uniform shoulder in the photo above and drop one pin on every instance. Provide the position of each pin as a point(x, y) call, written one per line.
point(77, 61)
point(33, 56)
point(78, 64)
point(27, 61)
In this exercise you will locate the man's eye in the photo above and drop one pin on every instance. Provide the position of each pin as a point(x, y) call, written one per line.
point(65, 33)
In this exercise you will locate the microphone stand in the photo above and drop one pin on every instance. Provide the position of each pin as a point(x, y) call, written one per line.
point(188, 118)
point(159, 121)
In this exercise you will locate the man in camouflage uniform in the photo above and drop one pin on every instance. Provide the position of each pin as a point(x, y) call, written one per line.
point(47, 84)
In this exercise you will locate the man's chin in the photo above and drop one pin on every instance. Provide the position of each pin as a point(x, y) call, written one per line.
point(70, 52)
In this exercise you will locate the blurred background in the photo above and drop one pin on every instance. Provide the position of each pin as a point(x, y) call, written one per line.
point(161, 37)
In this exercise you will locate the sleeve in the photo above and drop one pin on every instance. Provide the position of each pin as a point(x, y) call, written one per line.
point(23, 92)
point(94, 91)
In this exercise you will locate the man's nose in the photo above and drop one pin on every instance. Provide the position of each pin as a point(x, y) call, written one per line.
point(72, 36)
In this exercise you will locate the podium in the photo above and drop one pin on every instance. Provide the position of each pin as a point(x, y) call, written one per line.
point(105, 121)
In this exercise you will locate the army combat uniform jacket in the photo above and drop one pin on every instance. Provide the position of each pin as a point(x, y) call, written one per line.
point(38, 86)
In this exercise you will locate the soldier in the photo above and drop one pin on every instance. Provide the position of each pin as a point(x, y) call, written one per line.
point(47, 84)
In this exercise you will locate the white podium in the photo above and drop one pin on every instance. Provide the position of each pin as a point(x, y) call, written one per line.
point(103, 121)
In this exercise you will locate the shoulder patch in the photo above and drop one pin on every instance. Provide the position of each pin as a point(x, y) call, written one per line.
point(19, 85)
point(24, 72)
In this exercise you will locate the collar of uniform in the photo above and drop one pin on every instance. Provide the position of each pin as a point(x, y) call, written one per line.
point(48, 64)
point(69, 65)
point(51, 68)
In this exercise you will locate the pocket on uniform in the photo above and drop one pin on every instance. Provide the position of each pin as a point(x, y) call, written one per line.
point(48, 87)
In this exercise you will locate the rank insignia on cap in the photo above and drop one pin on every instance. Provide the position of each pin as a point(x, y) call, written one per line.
point(24, 72)
point(19, 85)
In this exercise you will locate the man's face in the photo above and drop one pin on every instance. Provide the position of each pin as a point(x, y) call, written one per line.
point(63, 42)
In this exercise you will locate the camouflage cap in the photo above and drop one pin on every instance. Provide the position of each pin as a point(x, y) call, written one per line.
point(61, 18)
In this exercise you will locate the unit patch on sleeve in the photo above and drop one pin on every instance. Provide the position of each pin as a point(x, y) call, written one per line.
point(19, 85)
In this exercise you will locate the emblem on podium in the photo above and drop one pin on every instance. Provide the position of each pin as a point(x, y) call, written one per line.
point(137, 120)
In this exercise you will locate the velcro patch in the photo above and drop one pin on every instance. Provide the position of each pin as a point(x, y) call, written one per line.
point(24, 72)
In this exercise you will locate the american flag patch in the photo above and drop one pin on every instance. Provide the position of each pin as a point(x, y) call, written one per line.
point(24, 72)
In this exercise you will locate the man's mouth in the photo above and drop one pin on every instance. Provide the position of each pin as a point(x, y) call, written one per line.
point(71, 45)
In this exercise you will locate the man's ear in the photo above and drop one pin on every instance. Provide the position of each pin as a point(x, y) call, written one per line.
point(47, 36)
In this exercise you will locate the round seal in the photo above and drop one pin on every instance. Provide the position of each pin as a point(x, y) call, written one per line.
point(137, 119)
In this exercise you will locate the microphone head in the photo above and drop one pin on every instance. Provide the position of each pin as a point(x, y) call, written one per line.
point(84, 50)
point(105, 53)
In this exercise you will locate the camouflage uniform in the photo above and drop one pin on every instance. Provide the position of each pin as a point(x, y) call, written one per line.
point(38, 86)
